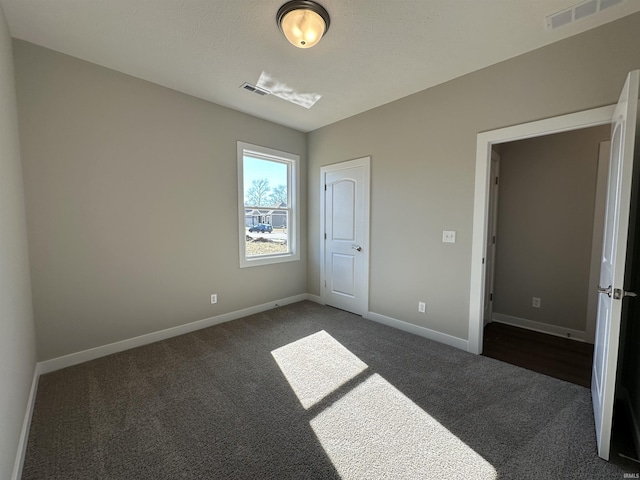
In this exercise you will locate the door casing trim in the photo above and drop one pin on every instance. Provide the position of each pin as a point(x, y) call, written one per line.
point(485, 140)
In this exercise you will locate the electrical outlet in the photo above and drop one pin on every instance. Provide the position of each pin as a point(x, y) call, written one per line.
point(536, 303)
point(449, 236)
point(214, 298)
point(422, 307)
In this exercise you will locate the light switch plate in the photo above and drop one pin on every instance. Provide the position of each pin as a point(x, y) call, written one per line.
point(449, 236)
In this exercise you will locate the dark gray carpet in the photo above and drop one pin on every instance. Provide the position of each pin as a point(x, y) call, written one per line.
point(306, 391)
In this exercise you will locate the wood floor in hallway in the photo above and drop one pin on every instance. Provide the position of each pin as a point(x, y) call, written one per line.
point(557, 357)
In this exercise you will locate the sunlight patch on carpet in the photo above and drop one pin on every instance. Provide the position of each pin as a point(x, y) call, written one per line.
point(375, 431)
point(316, 366)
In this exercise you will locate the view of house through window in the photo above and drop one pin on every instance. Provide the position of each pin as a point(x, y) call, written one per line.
point(267, 205)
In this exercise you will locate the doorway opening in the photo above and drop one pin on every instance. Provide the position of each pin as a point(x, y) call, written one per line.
point(544, 248)
point(485, 145)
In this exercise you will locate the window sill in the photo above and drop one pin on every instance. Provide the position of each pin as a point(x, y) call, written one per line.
point(268, 260)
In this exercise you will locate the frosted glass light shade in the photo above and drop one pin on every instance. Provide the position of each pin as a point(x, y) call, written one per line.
point(303, 23)
point(303, 28)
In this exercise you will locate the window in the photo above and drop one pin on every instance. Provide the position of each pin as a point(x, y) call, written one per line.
point(267, 205)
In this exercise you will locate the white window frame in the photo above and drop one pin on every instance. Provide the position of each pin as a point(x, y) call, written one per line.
point(293, 192)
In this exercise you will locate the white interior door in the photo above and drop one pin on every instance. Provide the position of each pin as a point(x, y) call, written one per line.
point(611, 287)
point(602, 182)
point(346, 235)
point(491, 238)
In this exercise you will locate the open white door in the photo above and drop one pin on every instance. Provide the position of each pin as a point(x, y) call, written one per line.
point(345, 252)
point(614, 248)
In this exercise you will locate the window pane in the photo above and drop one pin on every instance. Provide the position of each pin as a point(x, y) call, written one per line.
point(266, 199)
point(265, 183)
point(262, 240)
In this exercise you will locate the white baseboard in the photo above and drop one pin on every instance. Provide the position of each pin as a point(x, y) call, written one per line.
point(26, 425)
point(315, 298)
point(421, 331)
point(104, 350)
point(564, 332)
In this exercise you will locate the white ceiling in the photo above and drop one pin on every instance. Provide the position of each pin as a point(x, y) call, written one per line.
point(375, 51)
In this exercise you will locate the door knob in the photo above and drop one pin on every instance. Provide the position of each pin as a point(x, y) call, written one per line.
point(357, 247)
point(605, 290)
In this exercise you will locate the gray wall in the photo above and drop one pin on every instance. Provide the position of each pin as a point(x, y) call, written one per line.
point(423, 164)
point(17, 338)
point(131, 192)
point(545, 226)
point(131, 188)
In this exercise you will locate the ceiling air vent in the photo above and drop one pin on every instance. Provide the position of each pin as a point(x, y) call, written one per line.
point(257, 90)
point(577, 12)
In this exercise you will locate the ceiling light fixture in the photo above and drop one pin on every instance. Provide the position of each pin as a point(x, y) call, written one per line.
point(303, 22)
